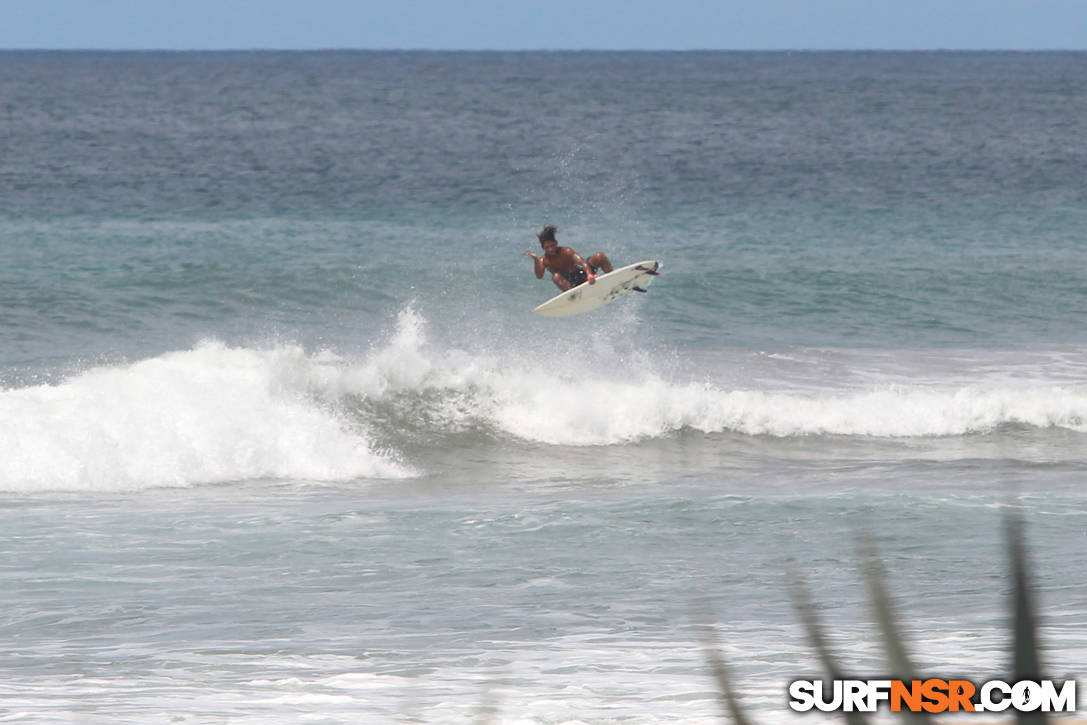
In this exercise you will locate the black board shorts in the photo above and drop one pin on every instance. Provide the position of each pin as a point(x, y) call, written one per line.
point(578, 276)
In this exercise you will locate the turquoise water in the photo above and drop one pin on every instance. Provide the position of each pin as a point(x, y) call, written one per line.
point(283, 441)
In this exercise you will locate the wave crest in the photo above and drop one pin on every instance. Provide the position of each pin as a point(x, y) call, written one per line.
point(617, 401)
point(205, 415)
point(217, 413)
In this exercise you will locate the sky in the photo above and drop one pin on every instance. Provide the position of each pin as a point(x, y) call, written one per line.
point(552, 25)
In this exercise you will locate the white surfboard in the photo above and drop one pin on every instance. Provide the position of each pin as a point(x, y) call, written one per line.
point(608, 288)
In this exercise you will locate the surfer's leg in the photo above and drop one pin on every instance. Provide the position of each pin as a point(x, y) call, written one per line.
point(560, 281)
point(600, 260)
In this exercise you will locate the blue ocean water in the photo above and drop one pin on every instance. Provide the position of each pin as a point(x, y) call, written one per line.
point(282, 440)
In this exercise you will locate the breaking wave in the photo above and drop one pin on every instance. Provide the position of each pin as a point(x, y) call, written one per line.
point(218, 413)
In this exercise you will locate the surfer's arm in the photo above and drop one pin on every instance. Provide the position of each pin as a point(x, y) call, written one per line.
point(539, 263)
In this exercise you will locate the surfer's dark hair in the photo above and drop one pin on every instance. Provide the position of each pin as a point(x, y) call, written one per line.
point(548, 234)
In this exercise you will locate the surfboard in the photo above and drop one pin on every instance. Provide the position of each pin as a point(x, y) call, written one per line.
point(608, 288)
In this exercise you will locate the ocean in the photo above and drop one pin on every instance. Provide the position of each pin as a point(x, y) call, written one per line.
point(281, 440)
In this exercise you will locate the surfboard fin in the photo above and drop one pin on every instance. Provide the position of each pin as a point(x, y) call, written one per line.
point(647, 270)
point(639, 289)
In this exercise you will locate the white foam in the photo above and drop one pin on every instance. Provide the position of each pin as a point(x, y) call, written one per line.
point(218, 413)
point(210, 414)
point(604, 401)
point(605, 412)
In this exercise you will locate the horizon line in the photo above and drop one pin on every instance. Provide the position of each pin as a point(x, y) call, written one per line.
point(556, 51)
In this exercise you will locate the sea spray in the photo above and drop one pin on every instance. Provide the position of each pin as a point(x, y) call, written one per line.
point(600, 400)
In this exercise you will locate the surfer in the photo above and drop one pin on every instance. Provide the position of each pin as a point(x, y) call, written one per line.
point(567, 267)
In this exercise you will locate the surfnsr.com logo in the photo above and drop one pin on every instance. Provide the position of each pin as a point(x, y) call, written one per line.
point(932, 695)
